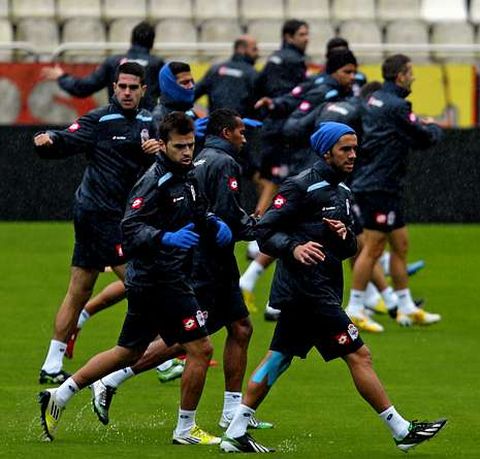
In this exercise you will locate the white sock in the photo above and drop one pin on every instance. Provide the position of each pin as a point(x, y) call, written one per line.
point(397, 425)
point(118, 377)
point(231, 401)
point(165, 365)
point(372, 296)
point(405, 301)
point(82, 318)
point(390, 298)
point(253, 249)
point(250, 276)
point(240, 421)
point(186, 420)
point(54, 360)
point(356, 302)
point(385, 263)
point(66, 391)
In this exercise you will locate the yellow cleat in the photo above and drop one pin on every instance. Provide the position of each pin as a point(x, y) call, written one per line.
point(363, 322)
point(380, 307)
point(195, 436)
point(249, 298)
point(50, 413)
point(419, 317)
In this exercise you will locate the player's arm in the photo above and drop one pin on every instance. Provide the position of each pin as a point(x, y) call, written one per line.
point(88, 85)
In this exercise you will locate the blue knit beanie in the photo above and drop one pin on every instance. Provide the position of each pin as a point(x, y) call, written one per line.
point(328, 135)
point(171, 90)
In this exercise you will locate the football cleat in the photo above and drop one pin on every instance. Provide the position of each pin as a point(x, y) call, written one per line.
point(419, 317)
point(102, 396)
point(363, 322)
point(420, 432)
point(254, 423)
point(271, 314)
point(243, 444)
point(413, 268)
point(379, 307)
point(249, 298)
point(173, 372)
point(195, 436)
point(71, 343)
point(50, 413)
point(53, 378)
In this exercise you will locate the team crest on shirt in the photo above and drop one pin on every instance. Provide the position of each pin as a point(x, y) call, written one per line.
point(233, 183)
point(189, 323)
point(296, 91)
point(137, 203)
point(279, 201)
point(352, 331)
point(74, 127)
point(144, 135)
point(304, 106)
point(342, 339)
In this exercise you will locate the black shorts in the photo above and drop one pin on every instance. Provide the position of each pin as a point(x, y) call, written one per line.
point(221, 305)
point(325, 327)
point(380, 211)
point(97, 240)
point(175, 316)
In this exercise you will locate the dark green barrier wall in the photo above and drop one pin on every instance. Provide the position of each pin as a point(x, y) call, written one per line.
point(443, 183)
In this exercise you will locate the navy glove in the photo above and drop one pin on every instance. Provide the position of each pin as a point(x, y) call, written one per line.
point(251, 122)
point(224, 234)
point(200, 127)
point(184, 238)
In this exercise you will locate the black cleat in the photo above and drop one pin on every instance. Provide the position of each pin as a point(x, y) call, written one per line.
point(243, 444)
point(420, 432)
point(53, 378)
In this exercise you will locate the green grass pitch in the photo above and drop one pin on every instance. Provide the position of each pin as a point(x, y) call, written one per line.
point(428, 372)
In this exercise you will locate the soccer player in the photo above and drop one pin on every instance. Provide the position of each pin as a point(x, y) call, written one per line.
point(118, 140)
point(163, 222)
point(215, 275)
point(308, 227)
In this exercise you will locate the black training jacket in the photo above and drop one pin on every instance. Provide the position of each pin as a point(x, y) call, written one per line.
point(230, 84)
point(111, 139)
point(390, 131)
point(217, 173)
point(164, 200)
point(104, 76)
point(296, 217)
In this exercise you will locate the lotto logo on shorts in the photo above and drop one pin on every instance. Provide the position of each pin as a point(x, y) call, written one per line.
point(381, 219)
point(137, 203)
point(353, 332)
point(190, 324)
point(119, 250)
point(296, 91)
point(233, 183)
point(304, 106)
point(342, 339)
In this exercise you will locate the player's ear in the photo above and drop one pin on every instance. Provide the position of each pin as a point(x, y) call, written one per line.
point(162, 145)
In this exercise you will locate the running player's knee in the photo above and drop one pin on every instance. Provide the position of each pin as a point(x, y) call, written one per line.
point(361, 357)
point(270, 370)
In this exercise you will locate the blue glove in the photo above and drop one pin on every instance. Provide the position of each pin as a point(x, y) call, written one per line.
point(251, 122)
point(224, 233)
point(184, 238)
point(200, 127)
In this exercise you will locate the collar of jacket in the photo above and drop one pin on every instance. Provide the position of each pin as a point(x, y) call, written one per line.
point(137, 49)
point(213, 141)
point(331, 175)
point(390, 86)
point(242, 58)
point(293, 48)
point(127, 113)
point(171, 166)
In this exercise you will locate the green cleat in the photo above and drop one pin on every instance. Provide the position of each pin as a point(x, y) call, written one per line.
point(101, 399)
point(174, 372)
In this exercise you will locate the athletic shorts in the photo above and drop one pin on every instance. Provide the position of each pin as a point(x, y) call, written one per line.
point(302, 326)
point(97, 241)
point(380, 211)
point(174, 315)
point(221, 305)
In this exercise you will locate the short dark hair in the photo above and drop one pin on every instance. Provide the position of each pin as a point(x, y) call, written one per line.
point(336, 43)
point(143, 34)
point(239, 43)
point(177, 67)
point(394, 65)
point(223, 118)
point(175, 122)
point(368, 89)
point(291, 26)
point(131, 68)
